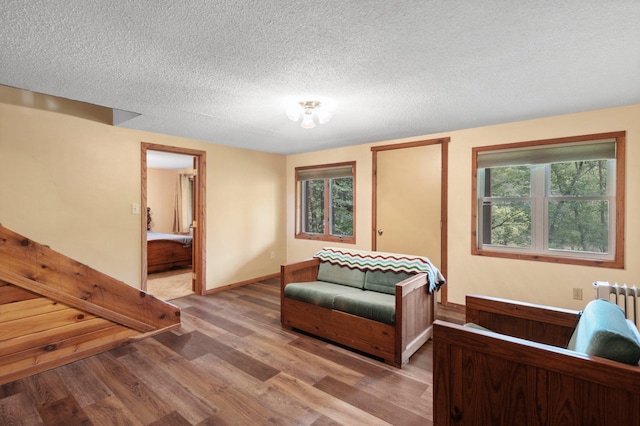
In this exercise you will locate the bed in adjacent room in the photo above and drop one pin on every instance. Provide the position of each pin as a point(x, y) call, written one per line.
point(168, 251)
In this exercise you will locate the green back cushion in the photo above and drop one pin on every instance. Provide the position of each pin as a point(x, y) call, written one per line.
point(603, 331)
point(340, 275)
point(383, 282)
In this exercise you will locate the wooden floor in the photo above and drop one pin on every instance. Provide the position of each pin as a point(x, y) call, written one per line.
point(229, 364)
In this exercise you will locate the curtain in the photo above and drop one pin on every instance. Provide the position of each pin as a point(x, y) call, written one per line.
point(183, 217)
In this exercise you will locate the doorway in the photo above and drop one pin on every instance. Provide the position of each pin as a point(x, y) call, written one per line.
point(410, 200)
point(196, 227)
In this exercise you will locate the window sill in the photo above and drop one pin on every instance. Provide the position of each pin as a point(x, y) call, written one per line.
point(614, 264)
point(328, 238)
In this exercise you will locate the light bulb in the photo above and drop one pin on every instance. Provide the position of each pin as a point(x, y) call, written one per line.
point(294, 113)
point(307, 121)
point(323, 115)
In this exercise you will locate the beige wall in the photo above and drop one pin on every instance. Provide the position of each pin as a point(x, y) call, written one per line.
point(70, 183)
point(535, 282)
point(161, 197)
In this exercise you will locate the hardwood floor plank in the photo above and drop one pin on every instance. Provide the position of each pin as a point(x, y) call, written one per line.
point(191, 407)
point(11, 388)
point(268, 288)
point(269, 319)
point(143, 402)
point(123, 350)
point(260, 302)
point(46, 388)
point(325, 421)
point(83, 384)
point(420, 366)
point(172, 419)
point(233, 303)
point(19, 410)
point(307, 367)
point(324, 403)
point(408, 393)
point(184, 344)
point(111, 411)
point(362, 363)
point(219, 302)
point(266, 395)
point(219, 321)
point(373, 404)
point(64, 411)
point(240, 360)
point(231, 406)
point(246, 320)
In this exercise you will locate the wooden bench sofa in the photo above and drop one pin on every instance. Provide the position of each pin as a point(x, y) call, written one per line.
point(392, 333)
point(520, 373)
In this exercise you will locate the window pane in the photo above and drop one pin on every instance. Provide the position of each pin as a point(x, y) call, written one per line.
point(508, 223)
point(579, 226)
point(579, 178)
point(510, 181)
point(313, 213)
point(342, 206)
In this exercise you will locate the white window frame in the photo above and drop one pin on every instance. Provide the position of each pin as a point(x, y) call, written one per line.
point(539, 202)
point(540, 198)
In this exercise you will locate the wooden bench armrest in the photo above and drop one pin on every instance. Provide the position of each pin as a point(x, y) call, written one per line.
point(539, 323)
point(415, 313)
point(581, 366)
point(413, 283)
point(482, 377)
point(409, 292)
point(304, 271)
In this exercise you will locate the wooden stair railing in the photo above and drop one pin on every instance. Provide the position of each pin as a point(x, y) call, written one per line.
point(55, 310)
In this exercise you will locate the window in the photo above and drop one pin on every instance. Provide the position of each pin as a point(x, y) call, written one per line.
point(325, 202)
point(559, 200)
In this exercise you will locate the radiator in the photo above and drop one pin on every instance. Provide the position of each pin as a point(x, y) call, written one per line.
point(622, 295)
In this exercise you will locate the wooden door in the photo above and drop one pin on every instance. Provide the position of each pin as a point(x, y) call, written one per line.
point(410, 200)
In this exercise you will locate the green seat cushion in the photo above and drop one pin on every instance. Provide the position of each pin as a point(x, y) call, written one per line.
point(317, 292)
point(384, 282)
point(340, 275)
point(368, 304)
point(603, 331)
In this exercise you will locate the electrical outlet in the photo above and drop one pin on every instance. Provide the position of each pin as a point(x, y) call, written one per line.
point(577, 294)
point(273, 254)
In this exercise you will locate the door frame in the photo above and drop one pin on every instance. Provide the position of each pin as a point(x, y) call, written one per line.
point(199, 215)
point(444, 153)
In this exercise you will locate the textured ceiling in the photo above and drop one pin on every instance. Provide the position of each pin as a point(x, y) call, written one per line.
point(222, 71)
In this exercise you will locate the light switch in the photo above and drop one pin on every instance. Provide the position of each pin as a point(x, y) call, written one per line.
point(135, 208)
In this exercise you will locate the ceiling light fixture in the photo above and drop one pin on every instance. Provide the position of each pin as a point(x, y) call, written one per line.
point(307, 110)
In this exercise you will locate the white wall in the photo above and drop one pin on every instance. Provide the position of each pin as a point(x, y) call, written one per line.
point(535, 282)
